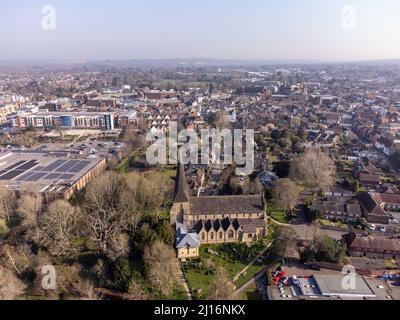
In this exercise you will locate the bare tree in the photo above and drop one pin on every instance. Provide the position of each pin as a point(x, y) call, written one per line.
point(57, 227)
point(110, 207)
point(86, 290)
point(29, 208)
point(257, 186)
point(221, 287)
point(315, 169)
point(119, 246)
point(283, 241)
point(159, 187)
point(7, 203)
point(286, 194)
point(161, 268)
point(150, 190)
point(11, 286)
point(17, 258)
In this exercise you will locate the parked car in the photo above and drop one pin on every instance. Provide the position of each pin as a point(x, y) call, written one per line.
point(382, 229)
point(284, 280)
point(372, 227)
point(295, 280)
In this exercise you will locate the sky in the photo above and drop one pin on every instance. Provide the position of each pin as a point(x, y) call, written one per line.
point(331, 30)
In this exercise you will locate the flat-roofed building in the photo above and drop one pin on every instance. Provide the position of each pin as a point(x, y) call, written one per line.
point(67, 120)
point(337, 286)
point(54, 175)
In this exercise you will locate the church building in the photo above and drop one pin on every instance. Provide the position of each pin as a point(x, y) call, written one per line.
point(214, 219)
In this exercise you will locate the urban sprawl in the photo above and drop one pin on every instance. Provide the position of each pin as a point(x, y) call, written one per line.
point(318, 218)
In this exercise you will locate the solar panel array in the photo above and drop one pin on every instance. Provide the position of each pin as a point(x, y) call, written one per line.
point(59, 169)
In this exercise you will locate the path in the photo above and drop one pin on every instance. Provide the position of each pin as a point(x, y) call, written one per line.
point(251, 263)
point(183, 281)
point(258, 276)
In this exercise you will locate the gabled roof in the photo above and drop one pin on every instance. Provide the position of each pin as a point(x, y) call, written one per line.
point(370, 203)
point(226, 205)
point(370, 242)
point(184, 239)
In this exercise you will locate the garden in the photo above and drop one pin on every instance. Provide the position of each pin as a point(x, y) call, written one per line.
point(233, 258)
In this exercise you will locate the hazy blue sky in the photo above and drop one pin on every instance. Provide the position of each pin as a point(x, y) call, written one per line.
point(222, 29)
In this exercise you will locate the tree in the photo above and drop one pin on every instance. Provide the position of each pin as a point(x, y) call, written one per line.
point(119, 246)
point(122, 274)
point(7, 203)
point(315, 169)
point(157, 188)
point(165, 232)
point(234, 186)
point(86, 290)
point(57, 227)
point(363, 223)
point(356, 186)
point(286, 194)
point(324, 249)
point(395, 158)
point(329, 250)
point(150, 190)
point(283, 241)
point(17, 258)
point(221, 287)
point(11, 286)
point(110, 207)
point(161, 268)
point(257, 186)
point(29, 208)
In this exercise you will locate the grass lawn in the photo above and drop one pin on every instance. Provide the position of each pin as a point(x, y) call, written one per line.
point(170, 173)
point(275, 213)
point(250, 294)
point(391, 264)
point(255, 268)
point(339, 224)
point(232, 257)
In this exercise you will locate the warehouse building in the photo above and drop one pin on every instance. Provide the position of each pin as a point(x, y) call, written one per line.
point(54, 175)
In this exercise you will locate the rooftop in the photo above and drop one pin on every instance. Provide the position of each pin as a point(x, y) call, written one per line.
point(226, 205)
point(336, 285)
point(43, 171)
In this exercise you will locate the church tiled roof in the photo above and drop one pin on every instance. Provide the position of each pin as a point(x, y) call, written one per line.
point(226, 205)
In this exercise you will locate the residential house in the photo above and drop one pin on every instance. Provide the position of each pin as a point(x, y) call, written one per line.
point(372, 246)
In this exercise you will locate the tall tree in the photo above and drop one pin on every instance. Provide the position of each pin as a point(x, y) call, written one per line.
point(29, 208)
point(161, 268)
point(57, 227)
point(11, 286)
point(7, 203)
point(315, 169)
point(283, 241)
point(110, 208)
point(286, 194)
point(221, 287)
